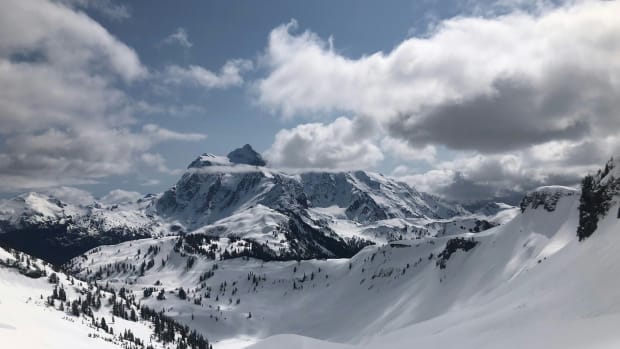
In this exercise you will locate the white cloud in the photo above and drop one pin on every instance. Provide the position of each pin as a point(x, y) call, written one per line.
point(521, 95)
point(86, 152)
point(158, 134)
point(64, 38)
point(158, 162)
point(119, 196)
point(485, 84)
point(71, 195)
point(230, 75)
point(399, 149)
point(65, 116)
point(343, 144)
point(478, 176)
point(432, 181)
point(400, 170)
point(179, 37)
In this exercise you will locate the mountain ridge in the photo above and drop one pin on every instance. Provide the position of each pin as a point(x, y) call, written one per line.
point(275, 214)
point(448, 286)
point(444, 289)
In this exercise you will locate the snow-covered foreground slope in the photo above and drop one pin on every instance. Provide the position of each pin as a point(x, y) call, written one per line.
point(44, 308)
point(27, 320)
point(527, 283)
point(27, 323)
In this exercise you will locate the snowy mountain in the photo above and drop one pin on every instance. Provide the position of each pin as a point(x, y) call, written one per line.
point(281, 215)
point(534, 279)
point(527, 283)
point(56, 230)
point(215, 187)
point(268, 213)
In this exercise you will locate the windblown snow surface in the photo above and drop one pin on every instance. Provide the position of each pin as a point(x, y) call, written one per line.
point(528, 283)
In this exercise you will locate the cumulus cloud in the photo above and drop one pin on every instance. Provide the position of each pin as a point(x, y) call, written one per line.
point(401, 150)
point(158, 162)
point(65, 116)
point(512, 117)
point(230, 75)
point(344, 144)
point(484, 84)
point(157, 133)
point(179, 37)
point(81, 155)
point(119, 196)
point(478, 176)
point(520, 96)
point(40, 30)
point(71, 195)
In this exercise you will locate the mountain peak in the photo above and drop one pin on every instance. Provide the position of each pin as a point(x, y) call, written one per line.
point(246, 155)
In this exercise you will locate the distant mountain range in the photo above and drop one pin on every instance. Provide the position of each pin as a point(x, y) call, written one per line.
point(269, 213)
point(238, 255)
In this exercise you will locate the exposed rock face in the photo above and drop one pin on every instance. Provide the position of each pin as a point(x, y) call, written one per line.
point(246, 155)
point(236, 196)
point(547, 197)
point(598, 194)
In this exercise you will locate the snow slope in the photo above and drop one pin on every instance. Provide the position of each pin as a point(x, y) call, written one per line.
point(427, 282)
point(28, 321)
point(569, 299)
point(527, 283)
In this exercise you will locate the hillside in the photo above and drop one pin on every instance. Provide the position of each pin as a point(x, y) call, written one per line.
point(531, 281)
point(509, 286)
point(45, 308)
point(547, 291)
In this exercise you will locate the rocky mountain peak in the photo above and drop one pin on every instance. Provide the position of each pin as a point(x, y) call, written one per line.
point(246, 155)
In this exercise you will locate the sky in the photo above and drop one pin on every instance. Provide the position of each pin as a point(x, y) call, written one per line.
point(465, 99)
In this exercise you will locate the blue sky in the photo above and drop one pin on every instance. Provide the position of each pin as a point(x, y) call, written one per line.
point(466, 99)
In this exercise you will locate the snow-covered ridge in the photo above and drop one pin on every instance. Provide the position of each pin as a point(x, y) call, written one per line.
point(471, 290)
point(286, 215)
point(462, 280)
point(219, 197)
point(208, 159)
point(547, 197)
point(240, 156)
point(48, 227)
